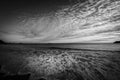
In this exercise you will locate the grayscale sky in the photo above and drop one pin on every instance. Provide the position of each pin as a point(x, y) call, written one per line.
point(90, 21)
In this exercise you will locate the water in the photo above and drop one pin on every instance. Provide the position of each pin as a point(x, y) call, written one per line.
point(91, 46)
point(95, 46)
point(77, 63)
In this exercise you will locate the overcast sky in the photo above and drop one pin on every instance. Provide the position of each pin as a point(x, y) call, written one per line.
point(61, 22)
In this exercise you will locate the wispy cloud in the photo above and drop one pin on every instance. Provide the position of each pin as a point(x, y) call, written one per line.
point(89, 22)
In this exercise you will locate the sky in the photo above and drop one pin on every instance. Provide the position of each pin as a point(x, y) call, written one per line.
point(60, 21)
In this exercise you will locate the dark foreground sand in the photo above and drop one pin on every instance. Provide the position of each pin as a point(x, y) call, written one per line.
point(20, 62)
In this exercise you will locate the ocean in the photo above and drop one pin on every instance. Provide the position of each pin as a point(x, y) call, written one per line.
point(60, 61)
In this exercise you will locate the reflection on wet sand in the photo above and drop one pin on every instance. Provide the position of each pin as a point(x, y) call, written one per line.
point(61, 63)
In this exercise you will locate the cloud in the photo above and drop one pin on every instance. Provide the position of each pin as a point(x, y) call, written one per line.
point(97, 22)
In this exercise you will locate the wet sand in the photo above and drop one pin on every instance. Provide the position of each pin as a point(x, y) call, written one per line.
point(53, 63)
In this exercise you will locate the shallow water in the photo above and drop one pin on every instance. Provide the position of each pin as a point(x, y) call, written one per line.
point(92, 46)
point(61, 63)
point(95, 46)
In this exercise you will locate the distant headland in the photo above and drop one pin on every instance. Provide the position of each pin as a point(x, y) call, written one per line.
point(2, 42)
point(117, 42)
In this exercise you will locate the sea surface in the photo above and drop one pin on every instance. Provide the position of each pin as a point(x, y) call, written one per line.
point(91, 46)
point(60, 61)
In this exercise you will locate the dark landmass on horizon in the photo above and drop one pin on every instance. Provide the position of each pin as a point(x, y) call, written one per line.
point(2, 42)
point(117, 42)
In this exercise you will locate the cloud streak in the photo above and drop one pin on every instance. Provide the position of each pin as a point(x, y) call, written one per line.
point(89, 22)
